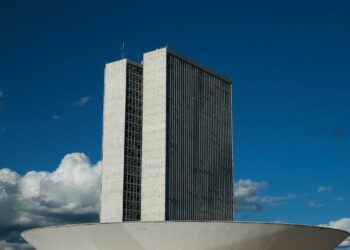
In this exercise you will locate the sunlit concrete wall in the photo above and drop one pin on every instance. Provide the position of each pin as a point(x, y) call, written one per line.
point(154, 137)
point(113, 142)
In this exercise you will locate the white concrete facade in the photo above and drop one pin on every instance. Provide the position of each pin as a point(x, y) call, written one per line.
point(154, 136)
point(113, 142)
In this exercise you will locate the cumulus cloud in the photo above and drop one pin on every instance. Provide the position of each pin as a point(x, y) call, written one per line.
point(247, 195)
point(342, 224)
point(13, 241)
point(324, 189)
point(83, 101)
point(70, 194)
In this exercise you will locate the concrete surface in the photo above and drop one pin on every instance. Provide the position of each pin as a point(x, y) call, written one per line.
point(113, 142)
point(154, 136)
point(185, 236)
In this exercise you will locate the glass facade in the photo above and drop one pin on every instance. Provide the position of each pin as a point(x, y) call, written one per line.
point(199, 178)
point(133, 144)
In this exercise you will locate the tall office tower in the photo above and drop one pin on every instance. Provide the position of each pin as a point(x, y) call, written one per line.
point(187, 171)
point(122, 139)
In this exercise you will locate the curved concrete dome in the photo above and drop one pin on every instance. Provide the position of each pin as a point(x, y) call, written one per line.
point(185, 236)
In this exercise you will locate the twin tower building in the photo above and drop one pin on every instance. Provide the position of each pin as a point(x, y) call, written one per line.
point(167, 141)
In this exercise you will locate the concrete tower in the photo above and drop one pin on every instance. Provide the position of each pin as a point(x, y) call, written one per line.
point(187, 171)
point(183, 111)
point(122, 138)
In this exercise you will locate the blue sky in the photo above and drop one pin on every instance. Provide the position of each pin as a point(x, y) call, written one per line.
point(289, 61)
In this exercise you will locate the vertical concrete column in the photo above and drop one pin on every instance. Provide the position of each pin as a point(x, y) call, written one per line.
point(153, 184)
point(113, 142)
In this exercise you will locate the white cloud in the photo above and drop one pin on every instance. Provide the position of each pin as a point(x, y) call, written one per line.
point(278, 200)
point(313, 204)
point(247, 195)
point(339, 199)
point(69, 194)
point(324, 189)
point(83, 101)
point(1, 94)
point(342, 224)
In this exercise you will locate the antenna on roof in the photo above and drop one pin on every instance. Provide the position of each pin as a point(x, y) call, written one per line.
point(122, 51)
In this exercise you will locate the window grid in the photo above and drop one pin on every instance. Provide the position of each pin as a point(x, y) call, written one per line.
point(199, 146)
point(132, 144)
